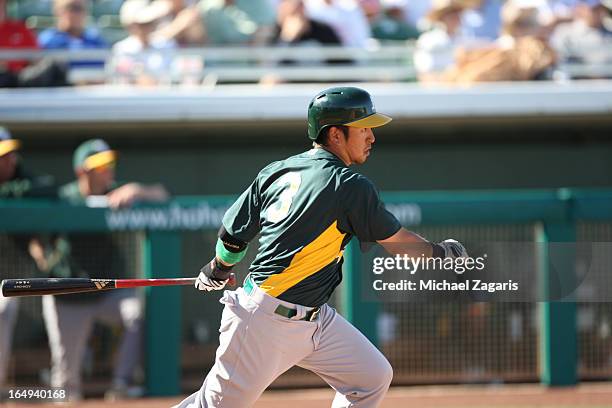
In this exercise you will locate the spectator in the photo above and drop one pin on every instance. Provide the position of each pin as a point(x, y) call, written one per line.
point(482, 19)
point(518, 21)
point(435, 49)
point(21, 73)
point(588, 38)
point(415, 12)
point(346, 17)
point(69, 318)
point(71, 32)
point(238, 21)
point(551, 12)
point(142, 58)
point(392, 23)
point(294, 26)
point(520, 54)
point(15, 182)
point(181, 23)
point(13, 35)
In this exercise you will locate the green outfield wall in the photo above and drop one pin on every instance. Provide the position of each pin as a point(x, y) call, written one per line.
point(529, 215)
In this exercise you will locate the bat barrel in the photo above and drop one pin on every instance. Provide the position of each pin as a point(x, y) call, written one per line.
point(53, 286)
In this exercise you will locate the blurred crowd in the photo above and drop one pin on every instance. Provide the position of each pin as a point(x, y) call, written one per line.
point(455, 40)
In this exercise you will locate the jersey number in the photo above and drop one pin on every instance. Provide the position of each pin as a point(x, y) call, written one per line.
point(290, 183)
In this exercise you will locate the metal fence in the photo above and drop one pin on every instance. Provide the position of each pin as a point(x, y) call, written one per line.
point(449, 341)
point(30, 359)
point(426, 342)
point(383, 62)
point(594, 320)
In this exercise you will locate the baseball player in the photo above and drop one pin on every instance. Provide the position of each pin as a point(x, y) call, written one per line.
point(69, 319)
point(306, 209)
point(15, 182)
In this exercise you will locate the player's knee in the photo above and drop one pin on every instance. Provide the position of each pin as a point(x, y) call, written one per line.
point(381, 374)
point(387, 373)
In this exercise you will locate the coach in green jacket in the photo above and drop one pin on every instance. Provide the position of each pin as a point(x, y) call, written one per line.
point(69, 318)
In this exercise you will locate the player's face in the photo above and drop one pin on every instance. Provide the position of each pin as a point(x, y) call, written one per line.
point(8, 164)
point(101, 179)
point(359, 144)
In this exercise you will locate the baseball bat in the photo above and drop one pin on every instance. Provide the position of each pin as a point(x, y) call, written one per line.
point(61, 286)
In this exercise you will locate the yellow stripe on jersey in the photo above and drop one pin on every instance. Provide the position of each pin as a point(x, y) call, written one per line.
point(313, 257)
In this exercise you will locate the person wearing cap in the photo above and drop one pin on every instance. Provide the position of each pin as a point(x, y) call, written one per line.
point(15, 180)
point(435, 49)
point(71, 31)
point(15, 183)
point(142, 57)
point(69, 319)
point(587, 38)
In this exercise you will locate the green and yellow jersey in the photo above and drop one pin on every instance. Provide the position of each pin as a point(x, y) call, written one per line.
point(306, 209)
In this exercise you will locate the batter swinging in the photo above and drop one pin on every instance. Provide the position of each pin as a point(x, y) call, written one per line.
point(306, 209)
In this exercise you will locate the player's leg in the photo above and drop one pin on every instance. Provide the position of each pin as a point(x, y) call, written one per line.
point(348, 362)
point(124, 307)
point(68, 328)
point(255, 347)
point(8, 315)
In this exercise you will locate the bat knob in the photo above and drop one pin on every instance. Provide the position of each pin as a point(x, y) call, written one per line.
point(232, 280)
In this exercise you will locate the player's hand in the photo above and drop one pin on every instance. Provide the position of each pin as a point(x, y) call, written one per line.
point(214, 276)
point(209, 284)
point(453, 249)
point(124, 196)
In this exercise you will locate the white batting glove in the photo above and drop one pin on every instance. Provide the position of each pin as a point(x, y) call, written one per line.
point(208, 284)
point(214, 276)
point(453, 249)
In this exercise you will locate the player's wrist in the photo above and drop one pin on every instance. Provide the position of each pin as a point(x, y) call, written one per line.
point(222, 265)
point(437, 251)
point(217, 270)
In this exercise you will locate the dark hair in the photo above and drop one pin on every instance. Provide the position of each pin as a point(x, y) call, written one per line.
point(324, 135)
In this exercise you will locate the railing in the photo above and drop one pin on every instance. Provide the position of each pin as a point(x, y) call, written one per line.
point(378, 62)
point(250, 64)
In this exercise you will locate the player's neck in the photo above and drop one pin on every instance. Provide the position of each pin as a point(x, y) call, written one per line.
point(336, 152)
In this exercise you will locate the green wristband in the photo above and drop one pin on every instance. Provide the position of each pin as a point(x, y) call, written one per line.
point(227, 256)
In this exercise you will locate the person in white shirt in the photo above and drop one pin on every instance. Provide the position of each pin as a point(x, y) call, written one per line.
point(142, 58)
point(587, 39)
point(435, 49)
point(346, 18)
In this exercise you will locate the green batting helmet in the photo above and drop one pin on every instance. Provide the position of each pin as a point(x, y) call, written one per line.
point(345, 105)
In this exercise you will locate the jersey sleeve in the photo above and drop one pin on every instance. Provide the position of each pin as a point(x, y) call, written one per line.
point(241, 220)
point(365, 215)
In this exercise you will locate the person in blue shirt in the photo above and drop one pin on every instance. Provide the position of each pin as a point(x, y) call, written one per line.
point(71, 32)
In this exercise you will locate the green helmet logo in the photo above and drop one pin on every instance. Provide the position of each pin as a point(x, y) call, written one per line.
point(348, 106)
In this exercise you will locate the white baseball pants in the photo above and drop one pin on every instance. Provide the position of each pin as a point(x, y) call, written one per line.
point(8, 314)
point(258, 345)
point(69, 326)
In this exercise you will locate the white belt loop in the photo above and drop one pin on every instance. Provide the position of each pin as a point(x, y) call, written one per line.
point(301, 312)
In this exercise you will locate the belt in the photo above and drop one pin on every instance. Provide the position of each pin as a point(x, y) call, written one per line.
point(249, 286)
